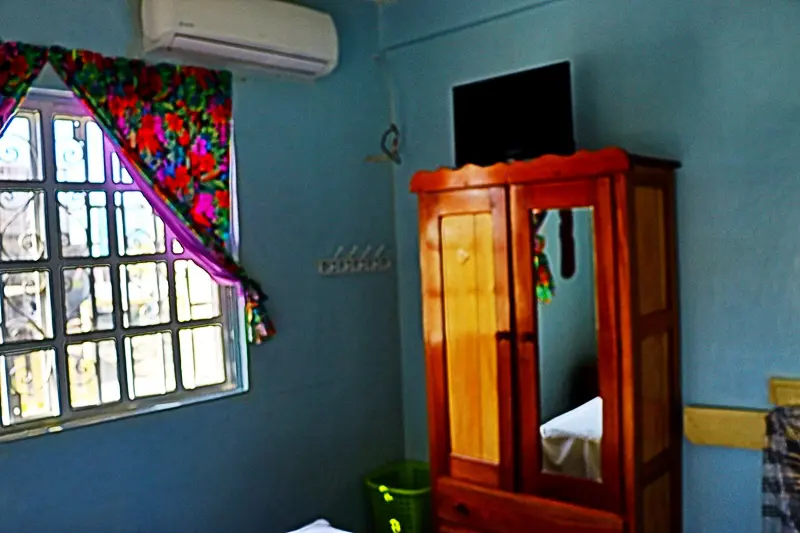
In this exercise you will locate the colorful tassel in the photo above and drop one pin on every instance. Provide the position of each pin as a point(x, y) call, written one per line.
point(545, 288)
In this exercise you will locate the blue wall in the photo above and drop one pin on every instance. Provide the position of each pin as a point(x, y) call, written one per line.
point(713, 83)
point(567, 325)
point(324, 406)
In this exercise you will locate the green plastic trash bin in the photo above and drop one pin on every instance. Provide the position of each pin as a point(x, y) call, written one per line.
point(400, 496)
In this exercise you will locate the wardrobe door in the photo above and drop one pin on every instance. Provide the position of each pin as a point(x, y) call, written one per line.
point(567, 343)
point(466, 310)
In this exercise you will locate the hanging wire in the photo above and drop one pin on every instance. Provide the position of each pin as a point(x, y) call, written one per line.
point(390, 140)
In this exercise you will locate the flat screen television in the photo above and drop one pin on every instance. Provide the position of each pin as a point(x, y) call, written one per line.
point(518, 116)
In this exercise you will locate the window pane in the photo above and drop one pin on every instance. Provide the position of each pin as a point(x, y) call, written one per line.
point(139, 230)
point(20, 155)
point(88, 316)
point(84, 224)
point(30, 389)
point(202, 356)
point(197, 295)
point(22, 226)
point(151, 368)
point(88, 299)
point(94, 151)
point(119, 174)
point(70, 150)
point(145, 294)
point(26, 313)
point(93, 376)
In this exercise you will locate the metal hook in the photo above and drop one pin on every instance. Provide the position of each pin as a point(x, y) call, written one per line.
point(393, 152)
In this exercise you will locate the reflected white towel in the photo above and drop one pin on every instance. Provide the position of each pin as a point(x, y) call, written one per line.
point(571, 442)
point(585, 422)
point(320, 526)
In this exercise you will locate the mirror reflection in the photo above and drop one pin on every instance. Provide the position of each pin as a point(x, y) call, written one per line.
point(570, 407)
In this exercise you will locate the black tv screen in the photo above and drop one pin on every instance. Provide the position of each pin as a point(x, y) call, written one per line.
point(514, 117)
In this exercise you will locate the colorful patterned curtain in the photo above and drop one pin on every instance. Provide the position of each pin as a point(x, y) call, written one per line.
point(20, 65)
point(173, 125)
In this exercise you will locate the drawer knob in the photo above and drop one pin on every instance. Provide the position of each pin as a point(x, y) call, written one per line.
point(461, 509)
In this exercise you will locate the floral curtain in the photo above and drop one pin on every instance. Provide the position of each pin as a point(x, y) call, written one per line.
point(173, 125)
point(20, 64)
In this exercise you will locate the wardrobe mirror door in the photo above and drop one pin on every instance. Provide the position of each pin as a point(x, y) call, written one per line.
point(570, 406)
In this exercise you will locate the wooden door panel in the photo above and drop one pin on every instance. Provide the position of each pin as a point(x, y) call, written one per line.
point(651, 246)
point(465, 270)
point(657, 516)
point(470, 325)
point(654, 421)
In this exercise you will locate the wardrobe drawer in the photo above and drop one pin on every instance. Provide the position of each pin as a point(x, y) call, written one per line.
point(491, 511)
point(449, 528)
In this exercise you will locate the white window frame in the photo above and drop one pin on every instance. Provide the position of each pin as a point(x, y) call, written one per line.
point(48, 103)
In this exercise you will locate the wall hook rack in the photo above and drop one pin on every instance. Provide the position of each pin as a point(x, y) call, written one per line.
point(355, 262)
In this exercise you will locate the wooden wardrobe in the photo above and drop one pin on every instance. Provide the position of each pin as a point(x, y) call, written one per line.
point(502, 435)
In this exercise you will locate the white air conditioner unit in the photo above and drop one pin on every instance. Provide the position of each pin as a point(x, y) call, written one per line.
point(279, 37)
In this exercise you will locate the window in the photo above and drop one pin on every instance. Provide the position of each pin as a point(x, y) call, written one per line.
point(103, 314)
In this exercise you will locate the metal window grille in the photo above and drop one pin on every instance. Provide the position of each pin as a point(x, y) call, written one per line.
point(103, 314)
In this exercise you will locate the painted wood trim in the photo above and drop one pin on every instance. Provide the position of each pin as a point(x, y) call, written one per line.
point(582, 164)
point(784, 391)
point(737, 428)
point(720, 426)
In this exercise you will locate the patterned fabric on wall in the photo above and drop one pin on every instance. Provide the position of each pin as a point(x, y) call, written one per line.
point(20, 65)
point(781, 475)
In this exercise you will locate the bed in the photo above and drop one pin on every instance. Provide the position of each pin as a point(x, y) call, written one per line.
point(571, 441)
point(319, 526)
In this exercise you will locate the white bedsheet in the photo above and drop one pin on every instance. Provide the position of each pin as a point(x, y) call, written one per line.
point(571, 442)
point(319, 526)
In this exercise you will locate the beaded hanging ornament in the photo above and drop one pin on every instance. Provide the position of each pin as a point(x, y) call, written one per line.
point(543, 276)
point(545, 288)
